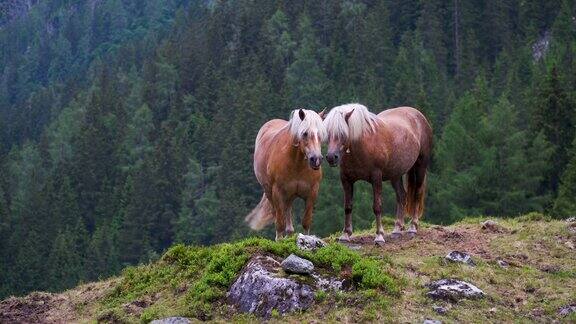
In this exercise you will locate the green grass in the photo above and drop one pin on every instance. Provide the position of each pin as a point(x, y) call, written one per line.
point(388, 284)
point(196, 278)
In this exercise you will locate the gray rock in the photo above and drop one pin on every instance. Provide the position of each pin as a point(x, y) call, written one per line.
point(457, 256)
point(328, 284)
point(296, 264)
point(172, 320)
point(503, 263)
point(262, 287)
point(491, 226)
point(567, 310)
point(309, 242)
point(440, 310)
point(571, 220)
point(431, 321)
point(453, 290)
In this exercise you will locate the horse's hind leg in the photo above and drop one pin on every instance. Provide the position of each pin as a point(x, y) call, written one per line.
point(398, 186)
point(279, 209)
point(348, 187)
point(377, 207)
point(416, 195)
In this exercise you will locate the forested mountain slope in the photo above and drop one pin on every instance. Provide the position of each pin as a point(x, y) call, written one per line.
point(127, 126)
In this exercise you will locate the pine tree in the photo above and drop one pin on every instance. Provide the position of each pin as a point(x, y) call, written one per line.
point(102, 258)
point(137, 143)
point(565, 203)
point(65, 262)
point(306, 83)
point(200, 206)
point(507, 178)
point(553, 115)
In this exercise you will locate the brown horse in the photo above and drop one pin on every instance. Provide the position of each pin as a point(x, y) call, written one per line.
point(287, 159)
point(376, 148)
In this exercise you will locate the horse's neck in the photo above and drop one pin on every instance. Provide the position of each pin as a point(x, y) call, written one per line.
point(293, 153)
point(380, 136)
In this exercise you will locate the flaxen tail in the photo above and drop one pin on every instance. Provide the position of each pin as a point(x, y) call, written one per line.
point(416, 194)
point(260, 216)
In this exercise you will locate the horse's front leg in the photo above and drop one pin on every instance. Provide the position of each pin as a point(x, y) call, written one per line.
point(309, 209)
point(398, 186)
point(348, 187)
point(288, 215)
point(377, 207)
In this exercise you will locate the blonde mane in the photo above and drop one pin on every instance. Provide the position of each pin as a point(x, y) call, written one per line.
point(360, 121)
point(312, 123)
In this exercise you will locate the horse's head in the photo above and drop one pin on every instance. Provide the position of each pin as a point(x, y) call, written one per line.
point(308, 133)
point(346, 125)
point(338, 135)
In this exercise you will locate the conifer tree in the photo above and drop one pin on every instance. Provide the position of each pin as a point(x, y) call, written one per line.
point(553, 115)
point(565, 203)
point(306, 83)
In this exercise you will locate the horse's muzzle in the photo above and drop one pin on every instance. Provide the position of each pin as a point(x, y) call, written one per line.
point(332, 159)
point(315, 162)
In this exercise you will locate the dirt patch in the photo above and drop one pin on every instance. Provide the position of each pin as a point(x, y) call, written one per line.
point(429, 241)
point(32, 308)
point(41, 307)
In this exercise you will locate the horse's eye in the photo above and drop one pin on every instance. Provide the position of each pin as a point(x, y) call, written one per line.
point(305, 134)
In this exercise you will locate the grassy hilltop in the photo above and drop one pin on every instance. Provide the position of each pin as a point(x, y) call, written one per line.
point(388, 282)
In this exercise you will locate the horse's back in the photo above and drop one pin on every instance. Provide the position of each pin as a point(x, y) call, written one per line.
point(412, 120)
point(267, 132)
point(264, 142)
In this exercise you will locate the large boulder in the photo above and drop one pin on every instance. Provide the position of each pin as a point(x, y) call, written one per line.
point(309, 242)
point(453, 290)
point(296, 264)
point(262, 287)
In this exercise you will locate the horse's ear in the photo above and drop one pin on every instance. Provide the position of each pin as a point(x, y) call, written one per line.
point(322, 114)
point(348, 114)
point(302, 114)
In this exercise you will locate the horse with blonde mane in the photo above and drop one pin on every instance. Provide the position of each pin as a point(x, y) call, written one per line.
point(376, 148)
point(287, 160)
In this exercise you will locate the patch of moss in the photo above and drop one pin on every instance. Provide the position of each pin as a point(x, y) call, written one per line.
point(368, 273)
point(208, 272)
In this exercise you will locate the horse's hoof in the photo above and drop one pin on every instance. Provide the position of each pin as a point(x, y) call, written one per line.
point(379, 240)
point(411, 234)
point(345, 238)
point(396, 235)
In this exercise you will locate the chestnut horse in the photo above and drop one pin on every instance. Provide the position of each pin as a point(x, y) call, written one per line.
point(287, 160)
point(376, 148)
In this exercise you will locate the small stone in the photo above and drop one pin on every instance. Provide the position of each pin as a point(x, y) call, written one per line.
point(431, 321)
point(453, 290)
point(172, 320)
point(537, 312)
point(567, 310)
point(353, 246)
point(491, 226)
point(457, 256)
point(503, 263)
point(309, 242)
point(569, 245)
point(440, 310)
point(296, 264)
point(493, 310)
point(550, 268)
point(571, 220)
